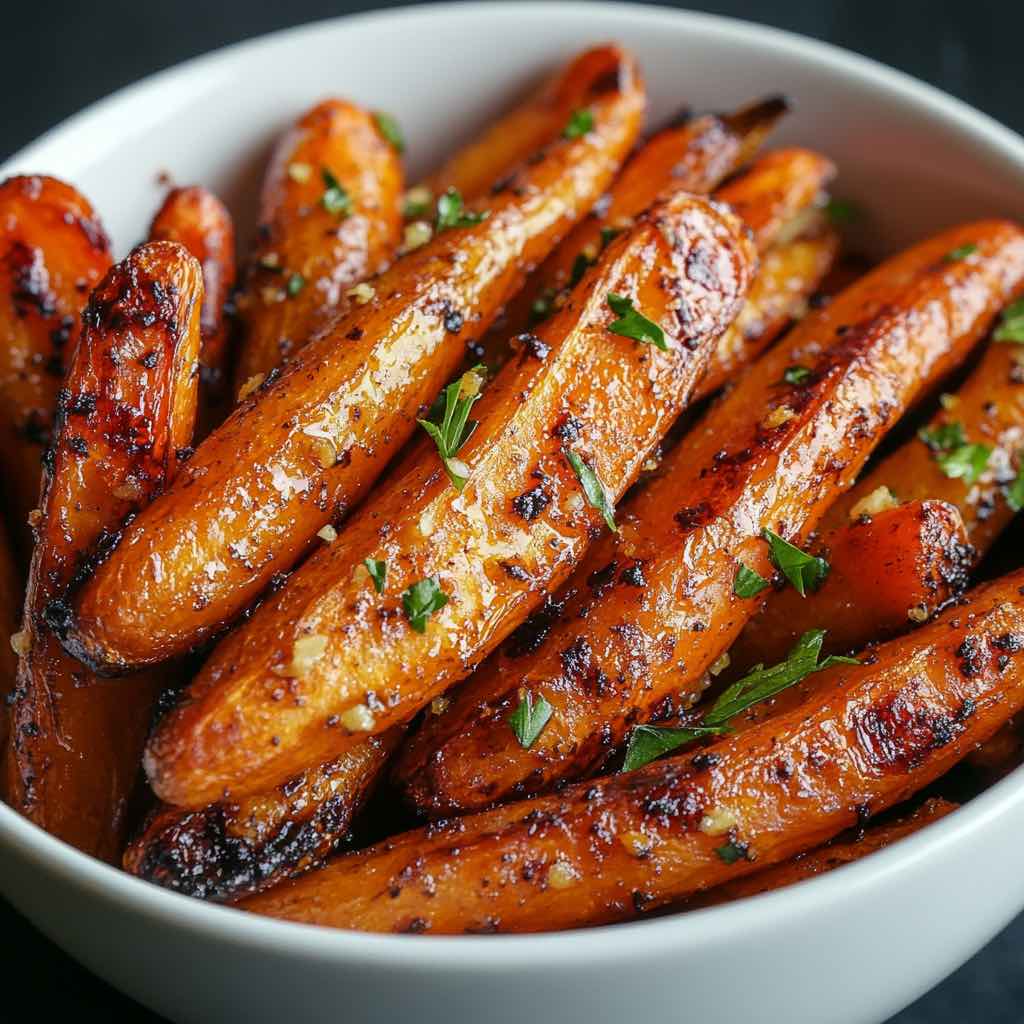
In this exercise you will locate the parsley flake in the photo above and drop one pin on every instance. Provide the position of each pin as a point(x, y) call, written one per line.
point(961, 252)
point(421, 600)
point(580, 122)
point(542, 307)
point(388, 126)
point(529, 718)
point(796, 375)
point(580, 266)
point(296, 282)
point(944, 437)
point(448, 422)
point(451, 212)
point(731, 852)
point(633, 324)
point(648, 742)
point(806, 572)
point(378, 570)
point(335, 199)
point(843, 211)
point(965, 463)
point(592, 488)
point(1011, 324)
point(1015, 491)
point(748, 582)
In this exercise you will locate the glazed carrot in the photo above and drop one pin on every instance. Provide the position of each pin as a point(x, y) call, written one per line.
point(126, 411)
point(228, 850)
point(306, 445)
point(528, 127)
point(989, 407)
point(53, 251)
point(650, 611)
point(330, 217)
point(615, 848)
point(888, 571)
point(333, 656)
point(10, 613)
point(195, 218)
point(825, 858)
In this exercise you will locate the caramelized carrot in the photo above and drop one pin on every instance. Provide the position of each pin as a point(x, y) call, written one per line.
point(10, 613)
point(616, 848)
point(228, 850)
point(53, 251)
point(195, 218)
point(330, 217)
point(126, 412)
point(306, 445)
point(888, 571)
point(333, 656)
point(651, 610)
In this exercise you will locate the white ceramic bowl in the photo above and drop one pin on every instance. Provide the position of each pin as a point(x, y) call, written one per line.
point(855, 945)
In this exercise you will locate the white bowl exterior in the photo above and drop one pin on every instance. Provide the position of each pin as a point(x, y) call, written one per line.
point(853, 946)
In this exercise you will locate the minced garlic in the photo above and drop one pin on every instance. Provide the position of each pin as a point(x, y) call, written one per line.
point(300, 173)
point(636, 843)
point(362, 293)
point(561, 875)
point(358, 719)
point(881, 499)
point(21, 643)
point(919, 613)
point(250, 386)
point(306, 651)
point(416, 234)
point(718, 820)
point(439, 705)
point(720, 664)
point(327, 533)
point(777, 417)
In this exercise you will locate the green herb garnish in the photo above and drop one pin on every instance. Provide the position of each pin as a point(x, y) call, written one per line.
point(1015, 492)
point(1011, 324)
point(796, 375)
point(421, 600)
point(335, 199)
point(580, 122)
point(592, 488)
point(608, 235)
point(388, 126)
point(378, 570)
point(529, 718)
point(580, 266)
point(542, 306)
point(731, 852)
point(748, 583)
point(806, 572)
point(843, 211)
point(965, 463)
point(451, 212)
point(296, 282)
point(961, 252)
point(633, 324)
point(648, 742)
point(449, 425)
point(944, 437)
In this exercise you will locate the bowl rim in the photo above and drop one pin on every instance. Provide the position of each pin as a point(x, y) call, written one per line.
point(557, 950)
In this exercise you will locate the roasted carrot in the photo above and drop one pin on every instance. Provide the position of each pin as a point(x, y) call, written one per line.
point(870, 737)
point(229, 850)
point(651, 610)
point(529, 126)
point(889, 570)
point(126, 412)
point(53, 251)
point(304, 448)
point(10, 614)
point(195, 218)
point(826, 858)
point(330, 217)
point(455, 568)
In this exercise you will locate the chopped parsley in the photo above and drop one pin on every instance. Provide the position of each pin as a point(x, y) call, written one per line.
point(1015, 491)
point(417, 202)
point(843, 211)
point(1011, 324)
point(958, 459)
point(580, 266)
point(961, 252)
point(388, 126)
point(748, 582)
point(633, 324)
point(580, 122)
point(451, 212)
point(448, 422)
point(335, 199)
point(421, 600)
point(592, 488)
point(944, 437)
point(296, 282)
point(378, 570)
point(529, 718)
point(806, 572)
point(648, 742)
point(731, 852)
point(542, 306)
point(796, 375)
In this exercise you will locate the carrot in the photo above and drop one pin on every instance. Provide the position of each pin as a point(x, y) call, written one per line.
point(305, 447)
point(228, 850)
point(826, 858)
point(448, 559)
point(127, 410)
point(889, 570)
point(650, 611)
point(620, 847)
point(53, 251)
point(195, 218)
point(330, 217)
point(10, 611)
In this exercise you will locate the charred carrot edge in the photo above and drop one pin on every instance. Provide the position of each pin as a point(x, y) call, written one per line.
point(529, 126)
point(889, 570)
point(10, 614)
point(826, 858)
point(305, 447)
point(195, 218)
point(127, 409)
point(330, 217)
point(53, 251)
point(620, 847)
point(338, 650)
point(990, 407)
point(650, 611)
point(226, 851)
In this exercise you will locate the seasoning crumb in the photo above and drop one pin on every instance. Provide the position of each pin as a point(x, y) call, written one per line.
point(21, 643)
point(718, 820)
point(358, 719)
point(300, 173)
point(720, 664)
point(439, 705)
point(919, 613)
point(416, 234)
point(562, 875)
point(881, 499)
point(777, 417)
point(306, 651)
point(327, 533)
point(362, 293)
point(250, 386)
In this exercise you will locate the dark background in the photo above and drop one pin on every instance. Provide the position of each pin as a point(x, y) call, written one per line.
point(60, 56)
